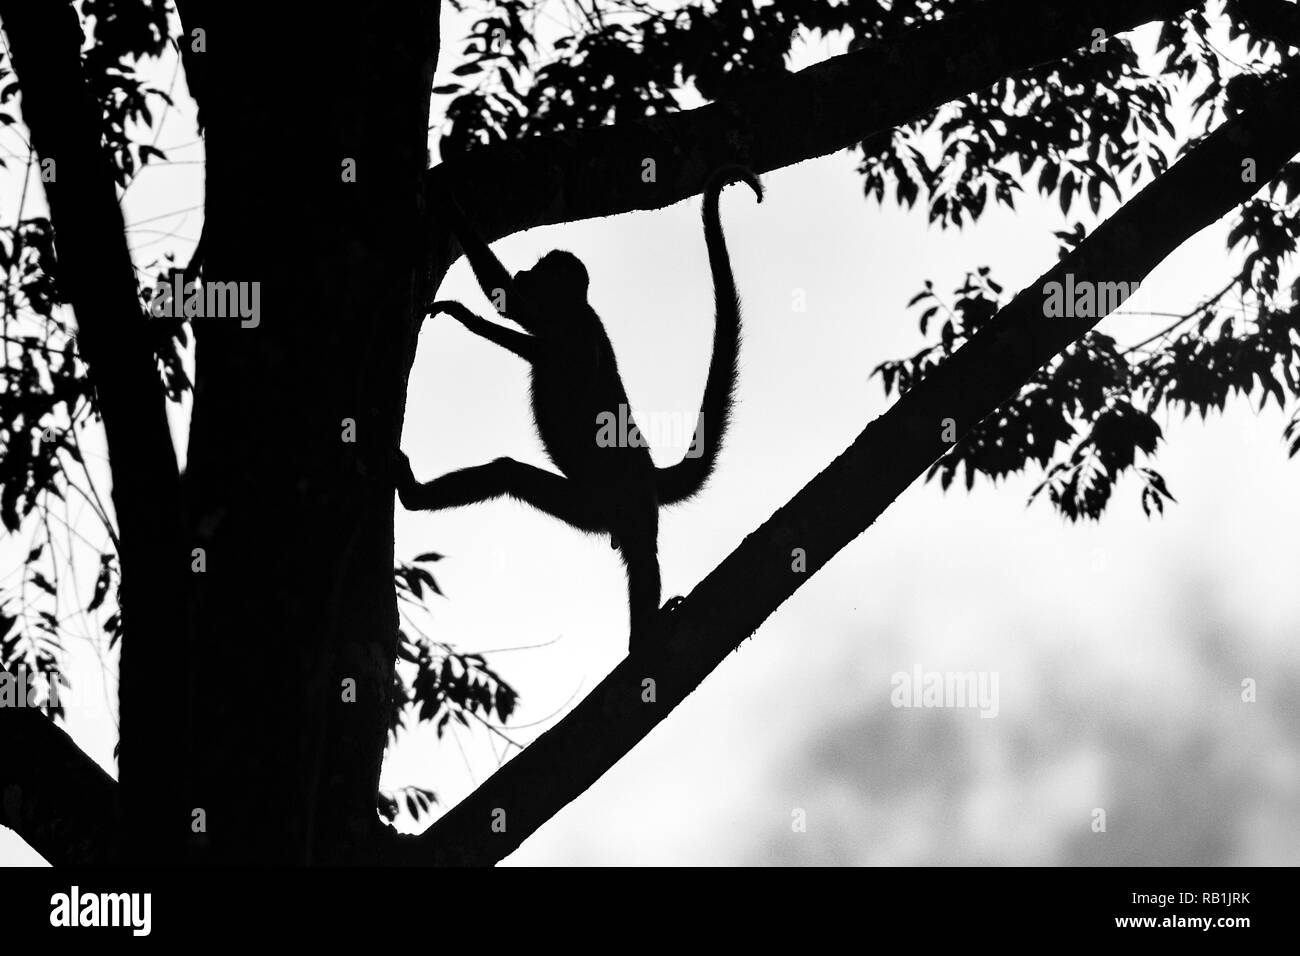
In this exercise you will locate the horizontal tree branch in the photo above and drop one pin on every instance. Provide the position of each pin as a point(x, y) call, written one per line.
point(829, 106)
point(842, 502)
point(52, 795)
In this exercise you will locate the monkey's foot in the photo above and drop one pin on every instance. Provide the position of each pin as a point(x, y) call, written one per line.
point(403, 476)
point(647, 631)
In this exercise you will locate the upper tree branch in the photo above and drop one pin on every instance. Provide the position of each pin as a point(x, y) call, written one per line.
point(1278, 20)
point(51, 794)
point(842, 501)
point(95, 276)
point(827, 107)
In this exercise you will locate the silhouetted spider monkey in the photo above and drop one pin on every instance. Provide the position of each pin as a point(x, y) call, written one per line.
point(611, 489)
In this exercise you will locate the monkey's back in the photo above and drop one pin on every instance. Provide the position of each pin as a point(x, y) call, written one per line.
point(575, 388)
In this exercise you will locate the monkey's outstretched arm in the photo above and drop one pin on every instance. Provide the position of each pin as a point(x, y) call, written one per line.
point(520, 343)
point(492, 276)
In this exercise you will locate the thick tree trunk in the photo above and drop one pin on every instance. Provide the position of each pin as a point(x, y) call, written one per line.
point(292, 506)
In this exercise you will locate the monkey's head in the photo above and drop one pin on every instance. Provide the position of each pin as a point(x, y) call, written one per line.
point(556, 286)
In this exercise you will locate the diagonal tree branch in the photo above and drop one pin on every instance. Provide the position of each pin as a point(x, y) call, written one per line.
point(551, 179)
point(52, 795)
point(841, 502)
point(96, 276)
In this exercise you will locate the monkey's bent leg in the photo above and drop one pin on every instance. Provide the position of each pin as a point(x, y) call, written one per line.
point(547, 492)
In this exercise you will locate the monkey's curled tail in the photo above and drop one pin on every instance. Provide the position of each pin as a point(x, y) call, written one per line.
point(687, 477)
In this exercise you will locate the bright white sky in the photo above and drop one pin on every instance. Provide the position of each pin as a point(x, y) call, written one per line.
point(1120, 646)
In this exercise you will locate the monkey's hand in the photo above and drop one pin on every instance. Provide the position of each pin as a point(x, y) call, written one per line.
point(456, 310)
